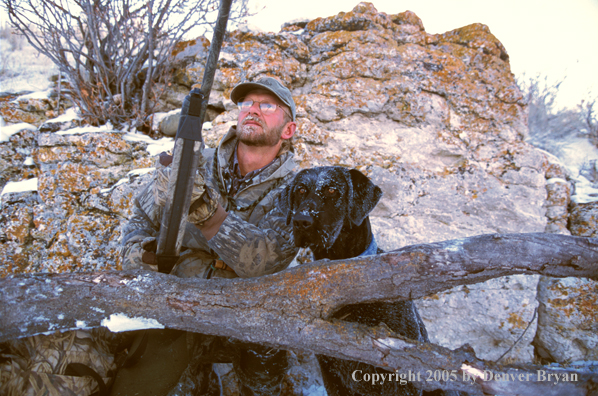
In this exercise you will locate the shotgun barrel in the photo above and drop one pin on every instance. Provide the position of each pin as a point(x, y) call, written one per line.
point(188, 150)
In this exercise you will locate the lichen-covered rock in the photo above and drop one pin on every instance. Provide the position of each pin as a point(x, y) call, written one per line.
point(85, 188)
point(16, 157)
point(16, 218)
point(103, 150)
point(568, 325)
point(568, 321)
point(584, 219)
point(94, 238)
point(31, 109)
point(489, 316)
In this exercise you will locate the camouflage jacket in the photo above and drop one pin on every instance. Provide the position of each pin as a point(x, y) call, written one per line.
point(254, 239)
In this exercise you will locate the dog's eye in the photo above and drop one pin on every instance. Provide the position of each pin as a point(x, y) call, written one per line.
point(302, 190)
point(331, 191)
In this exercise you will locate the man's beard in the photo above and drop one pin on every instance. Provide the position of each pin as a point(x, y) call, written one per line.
point(252, 136)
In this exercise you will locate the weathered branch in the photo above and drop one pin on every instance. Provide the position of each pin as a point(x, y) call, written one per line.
point(288, 309)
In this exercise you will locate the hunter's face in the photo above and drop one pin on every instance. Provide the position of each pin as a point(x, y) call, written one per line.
point(261, 123)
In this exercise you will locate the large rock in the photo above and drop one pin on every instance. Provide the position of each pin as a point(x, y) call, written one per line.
point(568, 326)
point(32, 108)
point(72, 221)
point(490, 316)
point(16, 155)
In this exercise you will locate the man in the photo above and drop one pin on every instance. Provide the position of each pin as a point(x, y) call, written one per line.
point(234, 227)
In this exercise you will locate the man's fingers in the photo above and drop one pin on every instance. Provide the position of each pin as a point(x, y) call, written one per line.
point(165, 158)
point(149, 258)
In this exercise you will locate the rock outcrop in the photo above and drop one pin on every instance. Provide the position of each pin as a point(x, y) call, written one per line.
point(437, 121)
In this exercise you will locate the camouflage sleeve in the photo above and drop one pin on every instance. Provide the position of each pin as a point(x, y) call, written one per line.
point(254, 250)
point(142, 225)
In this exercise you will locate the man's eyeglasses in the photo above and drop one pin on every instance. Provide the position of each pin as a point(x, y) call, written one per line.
point(265, 107)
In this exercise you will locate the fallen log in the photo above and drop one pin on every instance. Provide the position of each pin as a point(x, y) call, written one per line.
point(289, 309)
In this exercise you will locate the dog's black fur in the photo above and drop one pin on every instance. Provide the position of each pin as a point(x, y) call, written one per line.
point(329, 208)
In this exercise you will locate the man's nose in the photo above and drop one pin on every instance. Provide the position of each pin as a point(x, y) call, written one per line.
point(254, 108)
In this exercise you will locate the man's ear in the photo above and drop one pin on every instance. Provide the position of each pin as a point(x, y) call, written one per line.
point(289, 130)
point(365, 197)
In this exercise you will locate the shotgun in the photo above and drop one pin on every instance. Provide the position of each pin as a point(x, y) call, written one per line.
point(187, 152)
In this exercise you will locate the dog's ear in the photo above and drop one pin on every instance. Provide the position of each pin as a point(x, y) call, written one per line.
point(284, 202)
point(365, 197)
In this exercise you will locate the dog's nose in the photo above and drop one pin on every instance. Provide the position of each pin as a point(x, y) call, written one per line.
point(303, 220)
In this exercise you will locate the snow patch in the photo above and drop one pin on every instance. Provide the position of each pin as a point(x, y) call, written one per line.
point(20, 186)
point(393, 343)
point(87, 129)
point(127, 179)
point(585, 191)
point(555, 180)
point(7, 131)
point(121, 322)
point(35, 95)
point(140, 171)
point(157, 118)
point(577, 151)
point(69, 115)
point(455, 246)
point(28, 162)
point(472, 371)
point(154, 147)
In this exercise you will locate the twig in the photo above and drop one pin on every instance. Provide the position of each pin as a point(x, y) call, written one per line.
point(520, 337)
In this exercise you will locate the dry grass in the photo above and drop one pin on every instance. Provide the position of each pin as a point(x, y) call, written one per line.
point(22, 68)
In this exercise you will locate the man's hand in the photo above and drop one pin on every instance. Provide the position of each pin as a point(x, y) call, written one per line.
point(211, 226)
point(149, 246)
point(203, 199)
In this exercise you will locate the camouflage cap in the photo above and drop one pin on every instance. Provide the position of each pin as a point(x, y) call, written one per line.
point(270, 84)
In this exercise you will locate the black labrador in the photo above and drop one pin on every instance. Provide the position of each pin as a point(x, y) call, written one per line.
point(329, 207)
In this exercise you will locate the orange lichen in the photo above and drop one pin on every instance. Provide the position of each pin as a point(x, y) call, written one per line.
point(577, 301)
point(516, 321)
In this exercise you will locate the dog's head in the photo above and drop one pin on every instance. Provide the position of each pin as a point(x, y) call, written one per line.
point(319, 201)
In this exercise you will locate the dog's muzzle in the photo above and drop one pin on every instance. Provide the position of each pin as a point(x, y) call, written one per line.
point(302, 221)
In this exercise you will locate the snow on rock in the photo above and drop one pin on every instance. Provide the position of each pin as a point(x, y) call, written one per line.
point(36, 95)
point(87, 129)
point(585, 191)
point(120, 322)
point(130, 176)
point(70, 114)
point(8, 130)
point(154, 147)
point(21, 186)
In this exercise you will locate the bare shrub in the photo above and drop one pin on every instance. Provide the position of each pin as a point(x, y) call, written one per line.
point(22, 68)
point(549, 127)
point(104, 47)
point(13, 39)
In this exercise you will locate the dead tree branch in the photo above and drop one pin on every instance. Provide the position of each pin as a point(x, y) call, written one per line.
point(289, 309)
